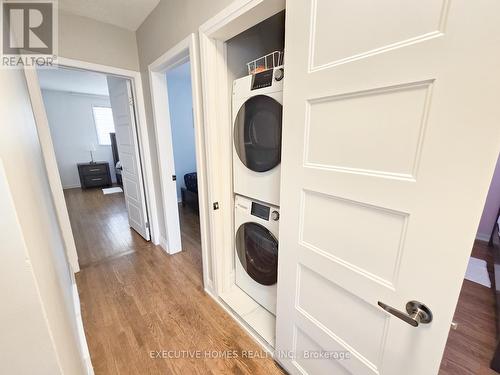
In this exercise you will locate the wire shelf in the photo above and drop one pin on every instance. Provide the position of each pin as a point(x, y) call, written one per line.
point(269, 61)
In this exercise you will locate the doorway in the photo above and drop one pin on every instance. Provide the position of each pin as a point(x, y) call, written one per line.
point(92, 123)
point(180, 108)
point(476, 318)
point(176, 98)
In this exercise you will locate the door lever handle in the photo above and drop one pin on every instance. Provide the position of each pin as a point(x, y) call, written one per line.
point(416, 313)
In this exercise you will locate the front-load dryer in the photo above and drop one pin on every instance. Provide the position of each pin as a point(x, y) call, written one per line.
point(257, 108)
point(256, 255)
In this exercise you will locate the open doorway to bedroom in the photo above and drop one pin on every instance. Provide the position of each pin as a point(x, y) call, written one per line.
point(180, 142)
point(180, 108)
point(92, 124)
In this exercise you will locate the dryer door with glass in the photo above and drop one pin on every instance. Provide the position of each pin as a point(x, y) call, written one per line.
point(257, 133)
point(257, 250)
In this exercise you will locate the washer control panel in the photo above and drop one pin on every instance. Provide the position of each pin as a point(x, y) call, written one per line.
point(260, 210)
point(262, 79)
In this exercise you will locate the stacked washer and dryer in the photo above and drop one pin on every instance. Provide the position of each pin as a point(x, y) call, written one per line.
point(257, 121)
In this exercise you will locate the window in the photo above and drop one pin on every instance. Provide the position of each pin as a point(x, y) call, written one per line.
point(103, 119)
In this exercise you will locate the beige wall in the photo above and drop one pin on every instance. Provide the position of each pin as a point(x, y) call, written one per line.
point(37, 317)
point(85, 39)
point(169, 23)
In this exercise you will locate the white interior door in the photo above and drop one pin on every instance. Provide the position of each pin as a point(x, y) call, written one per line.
point(122, 105)
point(391, 131)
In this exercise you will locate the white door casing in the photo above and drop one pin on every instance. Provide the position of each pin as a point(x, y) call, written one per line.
point(122, 105)
point(161, 111)
point(391, 132)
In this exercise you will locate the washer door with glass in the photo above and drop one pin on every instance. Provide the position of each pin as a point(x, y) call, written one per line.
point(257, 251)
point(257, 133)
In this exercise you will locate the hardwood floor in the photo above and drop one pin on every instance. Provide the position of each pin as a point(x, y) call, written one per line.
point(100, 225)
point(144, 303)
point(470, 347)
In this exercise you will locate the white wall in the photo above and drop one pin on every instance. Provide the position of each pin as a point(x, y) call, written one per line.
point(44, 339)
point(181, 118)
point(73, 130)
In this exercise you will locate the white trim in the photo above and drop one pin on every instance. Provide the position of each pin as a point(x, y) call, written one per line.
point(74, 93)
point(51, 167)
point(142, 132)
point(73, 186)
point(163, 134)
point(81, 331)
point(163, 243)
point(236, 18)
point(185, 50)
point(50, 158)
point(483, 237)
point(262, 343)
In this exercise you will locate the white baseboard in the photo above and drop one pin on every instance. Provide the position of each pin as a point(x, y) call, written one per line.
point(71, 186)
point(483, 237)
point(81, 332)
point(163, 244)
point(256, 337)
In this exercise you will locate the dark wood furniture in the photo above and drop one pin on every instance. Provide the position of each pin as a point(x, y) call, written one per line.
point(94, 174)
point(495, 243)
point(189, 193)
point(189, 199)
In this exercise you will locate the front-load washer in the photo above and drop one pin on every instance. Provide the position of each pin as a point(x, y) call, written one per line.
point(256, 255)
point(257, 108)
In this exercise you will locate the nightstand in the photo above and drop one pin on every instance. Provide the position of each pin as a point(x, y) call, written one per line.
point(94, 174)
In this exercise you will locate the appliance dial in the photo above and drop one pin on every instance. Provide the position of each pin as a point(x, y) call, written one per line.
point(275, 215)
point(279, 74)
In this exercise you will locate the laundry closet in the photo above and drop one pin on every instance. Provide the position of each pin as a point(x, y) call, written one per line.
point(256, 74)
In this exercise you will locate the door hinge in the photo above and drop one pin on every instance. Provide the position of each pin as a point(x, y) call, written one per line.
point(216, 205)
point(174, 177)
point(147, 225)
point(131, 101)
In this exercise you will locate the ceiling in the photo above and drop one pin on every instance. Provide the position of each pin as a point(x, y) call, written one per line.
point(73, 81)
point(127, 14)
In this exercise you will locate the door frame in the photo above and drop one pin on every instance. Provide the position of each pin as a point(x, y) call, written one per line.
point(239, 16)
point(217, 92)
point(185, 50)
point(49, 156)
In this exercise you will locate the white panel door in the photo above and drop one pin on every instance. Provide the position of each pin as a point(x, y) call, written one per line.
point(391, 132)
point(122, 105)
